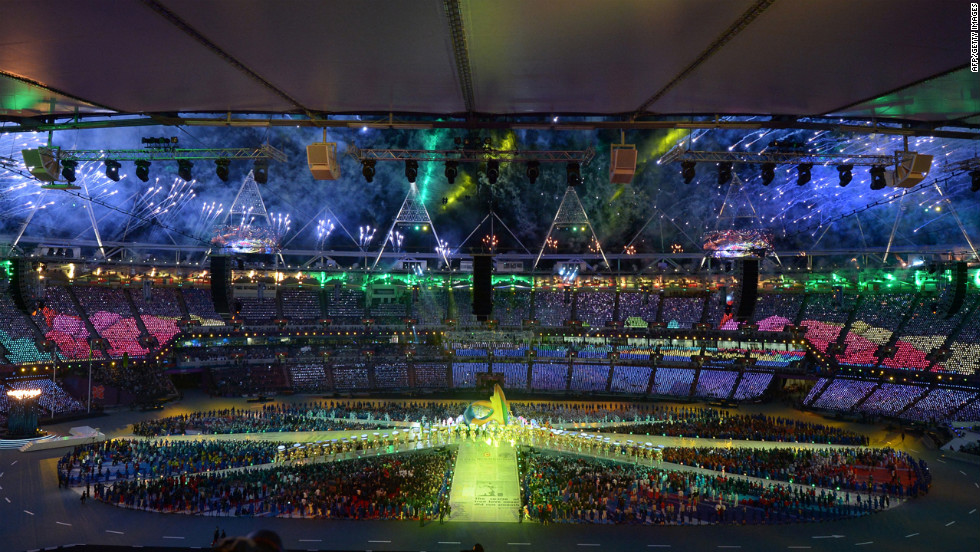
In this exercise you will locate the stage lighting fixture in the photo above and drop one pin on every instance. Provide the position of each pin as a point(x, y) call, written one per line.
point(724, 173)
point(803, 173)
point(184, 167)
point(975, 180)
point(221, 168)
point(877, 177)
point(261, 171)
point(768, 173)
point(493, 171)
point(844, 172)
point(687, 171)
point(573, 173)
point(112, 169)
point(68, 169)
point(142, 170)
point(411, 170)
point(367, 169)
point(533, 171)
point(452, 169)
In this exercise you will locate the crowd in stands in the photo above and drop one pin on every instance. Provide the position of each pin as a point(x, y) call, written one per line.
point(345, 306)
point(301, 307)
point(549, 377)
point(515, 374)
point(134, 458)
point(552, 308)
point(638, 308)
point(673, 381)
point(258, 311)
point(752, 386)
point(843, 394)
point(589, 377)
point(432, 306)
point(595, 308)
point(53, 399)
point(890, 399)
point(575, 490)
point(405, 486)
point(17, 336)
point(681, 312)
point(773, 311)
point(630, 379)
point(715, 384)
point(938, 405)
point(200, 306)
point(512, 307)
point(464, 373)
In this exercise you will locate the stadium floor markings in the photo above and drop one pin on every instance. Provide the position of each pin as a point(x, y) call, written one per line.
point(114, 532)
point(658, 546)
point(7, 499)
point(799, 547)
point(910, 535)
point(321, 540)
point(971, 511)
point(950, 523)
point(170, 537)
point(863, 543)
point(63, 523)
point(940, 460)
point(729, 546)
point(374, 541)
point(963, 472)
point(519, 543)
point(586, 544)
point(828, 536)
point(14, 462)
point(28, 512)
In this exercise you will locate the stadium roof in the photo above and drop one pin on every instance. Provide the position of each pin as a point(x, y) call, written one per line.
point(888, 59)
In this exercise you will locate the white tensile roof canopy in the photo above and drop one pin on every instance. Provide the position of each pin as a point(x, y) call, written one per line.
point(894, 59)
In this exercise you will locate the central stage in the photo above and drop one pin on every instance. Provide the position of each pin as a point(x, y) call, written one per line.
point(485, 483)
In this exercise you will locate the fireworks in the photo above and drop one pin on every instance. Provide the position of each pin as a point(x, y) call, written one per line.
point(396, 239)
point(324, 228)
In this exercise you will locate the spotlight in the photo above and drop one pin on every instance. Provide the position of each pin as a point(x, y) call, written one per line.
point(975, 180)
point(184, 167)
point(142, 170)
point(367, 169)
point(493, 171)
point(573, 173)
point(411, 170)
point(68, 169)
point(844, 172)
point(112, 169)
point(724, 173)
point(803, 173)
point(221, 168)
point(452, 169)
point(877, 177)
point(261, 171)
point(687, 171)
point(768, 173)
point(533, 171)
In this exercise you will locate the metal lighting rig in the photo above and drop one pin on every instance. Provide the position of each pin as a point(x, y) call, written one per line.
point(679, 153)
point(472, 155)
point(173, 154)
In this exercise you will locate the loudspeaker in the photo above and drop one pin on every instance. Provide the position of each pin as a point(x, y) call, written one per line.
point(622, 163)
point(43, 163)
point(24, 285)
point(322, 159)
point(221, 290)
point(748, 289)
point(914, 169)
point(482, 286)
point(959, 288)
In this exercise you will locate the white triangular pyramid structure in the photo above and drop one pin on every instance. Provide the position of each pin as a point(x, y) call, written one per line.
point(737, 205)
point(248, 201)
point(570, 213)
point(412, 212)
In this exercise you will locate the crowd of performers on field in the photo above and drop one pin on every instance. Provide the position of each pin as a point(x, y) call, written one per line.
point(566, 476)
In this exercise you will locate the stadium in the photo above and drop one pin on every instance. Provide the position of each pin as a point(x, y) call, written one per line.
point(461, 275)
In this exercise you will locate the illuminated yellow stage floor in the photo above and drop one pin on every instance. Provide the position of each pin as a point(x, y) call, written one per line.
point(485, 483)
